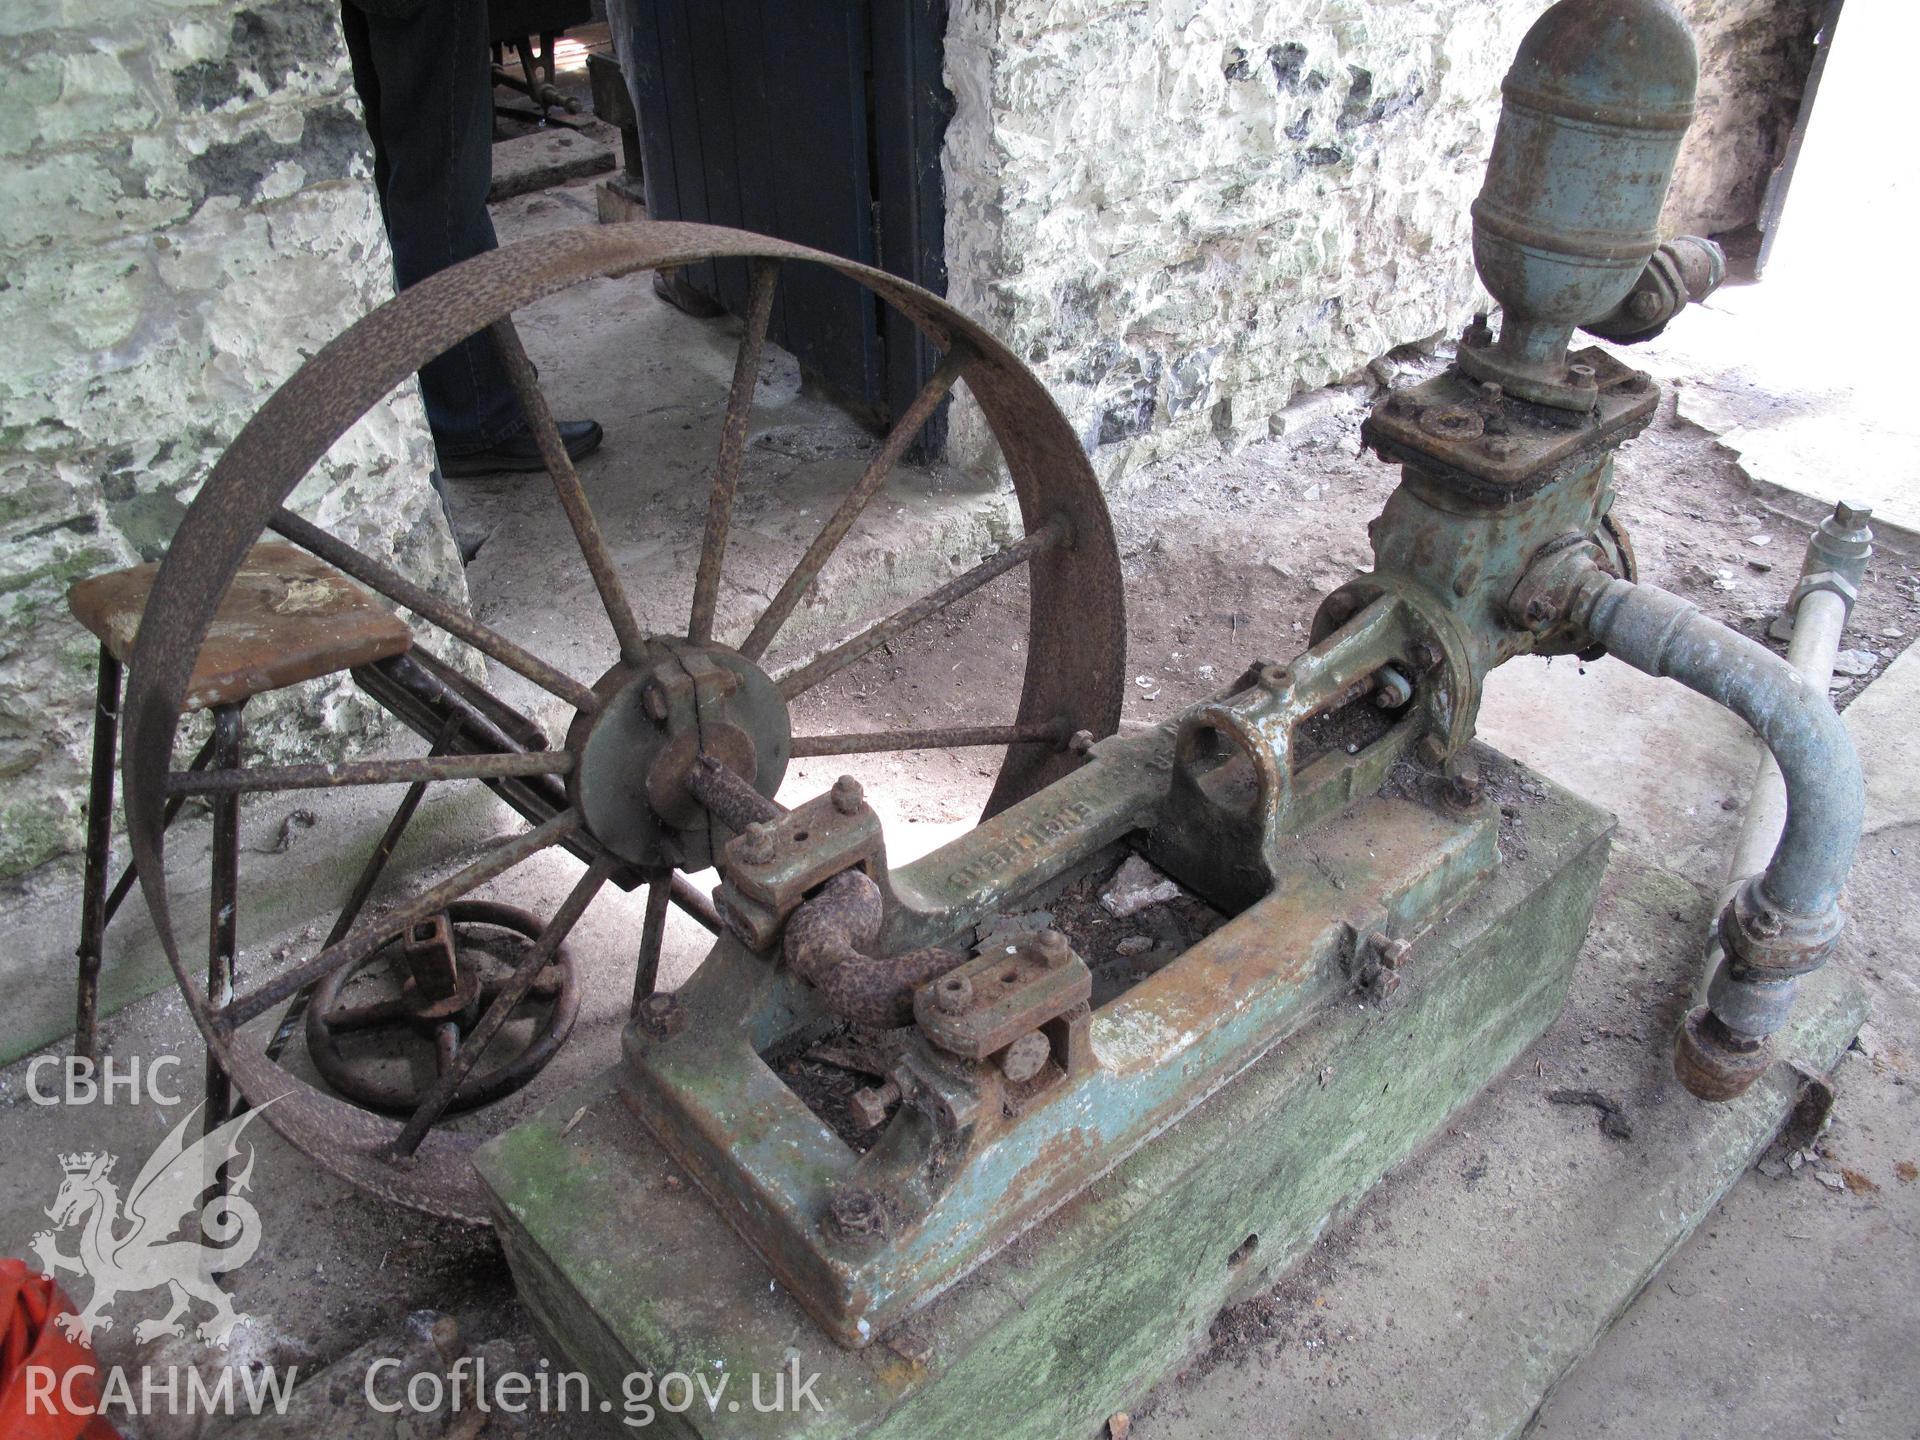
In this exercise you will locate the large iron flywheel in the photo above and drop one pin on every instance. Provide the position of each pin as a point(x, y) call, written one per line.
point(610, 791)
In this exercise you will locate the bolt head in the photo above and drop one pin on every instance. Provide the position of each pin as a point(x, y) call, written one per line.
point(1431, 750)
point(1081, 742)
point(1644, 304)
point(1852, 517)
point(847, 795)
point(654, 701)
point(1053, 948)
point(1541, 612)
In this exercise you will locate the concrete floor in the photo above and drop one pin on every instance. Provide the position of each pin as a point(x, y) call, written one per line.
point(1790, 1313)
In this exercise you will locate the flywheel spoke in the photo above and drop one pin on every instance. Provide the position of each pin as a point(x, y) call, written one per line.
point(733, 446)
point(418, 770)
point(653, 929)
point(566, 484)
point(831, 662)
point(952, 738)
point(430, 607)
point(363, 940)
point(538, 956)
point(796, 585)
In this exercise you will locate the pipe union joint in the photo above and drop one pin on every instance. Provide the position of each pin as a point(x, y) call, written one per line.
point(1832, 581)
point(1764, 943)
point(1712, 1062)
point(1750, 1009)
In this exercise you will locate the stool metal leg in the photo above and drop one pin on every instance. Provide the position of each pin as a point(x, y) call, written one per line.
point(93, 901)
point(224, 892)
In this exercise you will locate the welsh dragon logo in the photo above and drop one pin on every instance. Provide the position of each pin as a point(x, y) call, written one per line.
point(125, 1250)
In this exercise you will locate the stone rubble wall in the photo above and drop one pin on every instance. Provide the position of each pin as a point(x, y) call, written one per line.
point(1754, 58)
point(189, 215)
point(1184, 213)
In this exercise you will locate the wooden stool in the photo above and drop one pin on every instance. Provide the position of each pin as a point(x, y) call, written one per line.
point(287, 618)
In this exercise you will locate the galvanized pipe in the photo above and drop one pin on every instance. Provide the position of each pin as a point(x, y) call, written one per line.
point(1816, 640)
point(1783, 922)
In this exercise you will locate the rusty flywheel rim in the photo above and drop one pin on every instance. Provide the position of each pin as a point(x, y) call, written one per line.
point(1076, 642)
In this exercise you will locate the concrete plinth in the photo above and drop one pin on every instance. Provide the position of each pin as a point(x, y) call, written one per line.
point(629, 1269)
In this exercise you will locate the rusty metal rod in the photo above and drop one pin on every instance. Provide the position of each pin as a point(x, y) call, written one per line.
point(223, 899)
point(796, 585)
point(831, 662)
point(952, 738)
point(423, 769)
point(728, 798)
point(733, 447)
point(124, 885)
point(364, 940)
point(698, 907)
point(455, 1071)
point(566, 484)
point(430, 607)
point(93, 907)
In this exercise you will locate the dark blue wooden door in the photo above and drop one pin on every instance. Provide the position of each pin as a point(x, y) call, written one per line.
point(820, 122)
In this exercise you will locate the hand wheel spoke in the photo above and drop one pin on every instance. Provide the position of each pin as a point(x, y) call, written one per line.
point(831, 662)
point(416, 770)
point(796, 585)
point(952, 738)
point(733, 446)
point(525, 972)
point(566, 484)
point(369, 1015)
point(431, 607)
point(446, 1046)
point(363, 940)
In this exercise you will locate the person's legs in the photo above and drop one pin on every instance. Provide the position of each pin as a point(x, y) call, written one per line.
point(425, 83)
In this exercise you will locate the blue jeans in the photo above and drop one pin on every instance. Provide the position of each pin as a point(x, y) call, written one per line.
point(426, 84)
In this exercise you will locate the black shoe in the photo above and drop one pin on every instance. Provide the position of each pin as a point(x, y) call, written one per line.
point(520, 453)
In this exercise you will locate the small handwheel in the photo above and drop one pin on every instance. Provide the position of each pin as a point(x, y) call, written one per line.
point(381, 1030)
point(649, 703)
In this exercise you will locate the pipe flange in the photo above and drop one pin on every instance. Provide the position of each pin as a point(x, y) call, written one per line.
point(1712, 1062)
point(1764, 943)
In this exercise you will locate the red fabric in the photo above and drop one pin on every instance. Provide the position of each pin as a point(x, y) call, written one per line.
point(28, 1336)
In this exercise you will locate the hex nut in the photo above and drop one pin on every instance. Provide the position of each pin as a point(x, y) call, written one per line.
point(1081, 742)
point(857, 1214)
point(848, 795)
point(1052, 948)
point(756, 844)
point(952, 994)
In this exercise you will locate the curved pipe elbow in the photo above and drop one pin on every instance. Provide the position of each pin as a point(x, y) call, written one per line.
point(1664, 635)
point(1782, 923)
